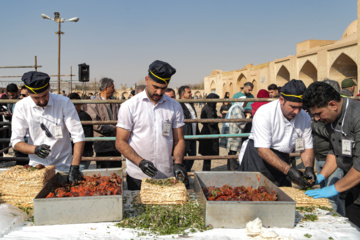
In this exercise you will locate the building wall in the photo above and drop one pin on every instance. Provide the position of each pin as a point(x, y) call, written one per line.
point(315, 60)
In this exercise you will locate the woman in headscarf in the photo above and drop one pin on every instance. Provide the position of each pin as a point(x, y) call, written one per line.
point(226, 106)
point(261, 94)
point(209, 147)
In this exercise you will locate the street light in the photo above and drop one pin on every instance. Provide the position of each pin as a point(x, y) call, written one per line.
point(59, 20)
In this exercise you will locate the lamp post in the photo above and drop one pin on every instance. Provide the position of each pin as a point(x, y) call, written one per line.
point(59, 20)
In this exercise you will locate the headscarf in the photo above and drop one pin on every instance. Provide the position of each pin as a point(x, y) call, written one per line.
point(261, 94)
point(212, 104)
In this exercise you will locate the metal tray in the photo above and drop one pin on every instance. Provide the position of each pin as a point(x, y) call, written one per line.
point(49, 211)
point(235, 214)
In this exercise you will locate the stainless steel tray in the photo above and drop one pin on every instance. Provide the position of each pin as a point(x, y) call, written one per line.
point(235, 214)
point(49, 211)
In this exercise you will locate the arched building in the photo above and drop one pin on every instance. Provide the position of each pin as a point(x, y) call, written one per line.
point(314, 60)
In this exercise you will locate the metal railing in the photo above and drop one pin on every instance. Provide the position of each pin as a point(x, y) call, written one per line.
point(187, 137)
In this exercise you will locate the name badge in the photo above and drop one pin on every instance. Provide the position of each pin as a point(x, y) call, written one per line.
point(166, 128)
point(299, 144)
point(346, 147)
point(58, 132)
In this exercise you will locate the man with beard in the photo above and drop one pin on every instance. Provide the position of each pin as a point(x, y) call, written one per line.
point(278, 128)
point(49, 119)
point(149, 125)
point(341, 117)
point(246, 91)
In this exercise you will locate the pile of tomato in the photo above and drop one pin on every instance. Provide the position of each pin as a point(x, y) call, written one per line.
point(228, 193)
point(90, 186)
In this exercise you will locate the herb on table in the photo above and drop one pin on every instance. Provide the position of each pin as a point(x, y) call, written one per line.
point(326, 208)
point(165, 219)
point(307, 235)
point(306, 209)
point(310, 217)
point(330, 238)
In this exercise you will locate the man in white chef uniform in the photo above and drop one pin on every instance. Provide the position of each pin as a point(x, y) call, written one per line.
point(278, 128)
point(149, 125)
point(49, 119)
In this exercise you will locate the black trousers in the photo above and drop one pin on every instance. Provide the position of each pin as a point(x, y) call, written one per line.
point(352, 210)
point(108, 164)
point(133, 183)
point(252, 162)
point(190, 163)
point(232, 164)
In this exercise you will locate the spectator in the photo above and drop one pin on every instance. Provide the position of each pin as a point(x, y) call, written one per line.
point(23, 92)
point(88, 131)
point(105, 112)
point(209, 146)
point(348, 87)
point(273, 91)
point(132, 93)
point(261, 94)
point(246, 91)
point(170, 92)
point(63, 93)
point(233, 145)
point(225, 106)
point(189, 128)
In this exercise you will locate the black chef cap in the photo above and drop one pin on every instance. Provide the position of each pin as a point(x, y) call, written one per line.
point(293, 90)
point(36, 82)
point(161, 72)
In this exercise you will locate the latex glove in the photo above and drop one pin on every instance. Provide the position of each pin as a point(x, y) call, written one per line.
point(310, 174)
point(148, 168)
point(181, 173)
point(319, 179)
point(74, 174)
point(297, 177)
point(325, 192)
point(42, 150)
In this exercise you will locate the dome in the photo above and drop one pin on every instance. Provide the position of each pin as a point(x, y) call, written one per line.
point(351, 29)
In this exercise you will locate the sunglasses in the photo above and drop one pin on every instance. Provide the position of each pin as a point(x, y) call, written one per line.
point(23, 95)
point(47, 132)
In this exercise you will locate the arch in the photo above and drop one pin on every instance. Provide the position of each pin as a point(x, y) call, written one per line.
point(343, 67)
point(283, 76)
point(125, 95)
point(255, 89)
point(231, 90)
point(308, 73)
point(197, 93)
point(240, 82)
point(212, 86)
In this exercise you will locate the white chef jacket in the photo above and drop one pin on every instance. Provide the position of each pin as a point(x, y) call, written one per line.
point(145, 120)
point(60, 111)
point(270, 129)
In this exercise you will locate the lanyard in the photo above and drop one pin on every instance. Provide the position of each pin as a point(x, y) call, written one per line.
point(343, 120)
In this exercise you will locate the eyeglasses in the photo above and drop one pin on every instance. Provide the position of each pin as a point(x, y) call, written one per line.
point(47, 132)
point(23, 95)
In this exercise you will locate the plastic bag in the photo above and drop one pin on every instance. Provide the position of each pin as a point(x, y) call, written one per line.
point(9, 217)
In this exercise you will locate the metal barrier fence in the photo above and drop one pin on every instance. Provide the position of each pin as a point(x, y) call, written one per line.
point(187, 137)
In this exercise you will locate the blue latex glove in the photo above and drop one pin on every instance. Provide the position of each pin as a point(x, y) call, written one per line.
point(325, 192)
point(319, 179)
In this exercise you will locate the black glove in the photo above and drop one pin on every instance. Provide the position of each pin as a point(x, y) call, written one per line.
point(181, 174)
point(297, 177)
point(310, 174)
point(42, 150)
point(74, 174)
point(148, 168)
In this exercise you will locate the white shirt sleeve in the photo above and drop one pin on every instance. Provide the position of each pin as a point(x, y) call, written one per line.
point(261, 128)
point(307, 134)
point(72, 122)
point(179, 117)
point(19, 126)
point(125, 118)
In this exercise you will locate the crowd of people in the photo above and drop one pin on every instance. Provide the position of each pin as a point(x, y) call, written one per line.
point(319, 122)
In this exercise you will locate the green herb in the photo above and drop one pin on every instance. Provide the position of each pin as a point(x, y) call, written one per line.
point(306, 209)
point(307, 235)
point(330, 238)
point(165, 219)
point(25, 209)
point(310, 217)
point(326, 208)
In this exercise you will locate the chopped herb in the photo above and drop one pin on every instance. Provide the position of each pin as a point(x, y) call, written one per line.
point(307, 235)
point(306, 209)
point(310, 217)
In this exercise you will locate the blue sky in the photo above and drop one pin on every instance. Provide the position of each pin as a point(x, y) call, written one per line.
point(119, 39)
